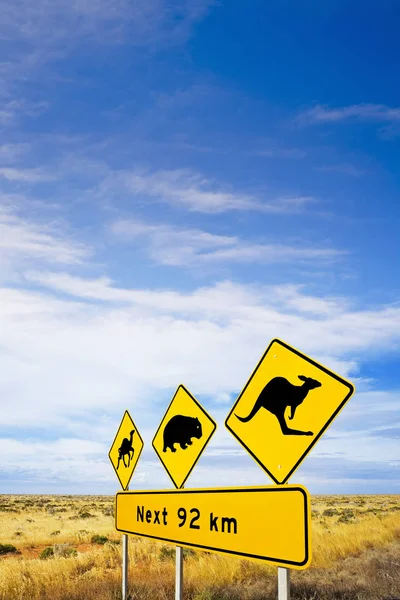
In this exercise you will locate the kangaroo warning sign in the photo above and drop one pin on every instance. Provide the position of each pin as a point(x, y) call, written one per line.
point(262, 523)
point(125, 450)
point(184, 432)
point(287, 404)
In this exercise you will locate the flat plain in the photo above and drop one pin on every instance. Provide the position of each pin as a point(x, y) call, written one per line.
point(66, 548)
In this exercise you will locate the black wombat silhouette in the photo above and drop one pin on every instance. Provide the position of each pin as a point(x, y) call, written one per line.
point(180, 430)
point(278, 395)
point(126, 449)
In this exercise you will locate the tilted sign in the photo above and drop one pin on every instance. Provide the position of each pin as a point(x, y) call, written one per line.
point(285, 407)
point(125, 450)
point(184, 432)
point(262, 523)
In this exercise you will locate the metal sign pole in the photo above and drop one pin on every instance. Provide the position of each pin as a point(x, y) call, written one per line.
point(179, 573)
point(283, 583)
point(125, 565)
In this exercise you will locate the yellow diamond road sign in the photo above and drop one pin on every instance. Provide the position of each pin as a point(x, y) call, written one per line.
point(285, 407)
point(184, 432)
point(125, 450)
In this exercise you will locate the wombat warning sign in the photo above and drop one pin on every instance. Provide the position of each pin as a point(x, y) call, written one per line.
point(183, 434)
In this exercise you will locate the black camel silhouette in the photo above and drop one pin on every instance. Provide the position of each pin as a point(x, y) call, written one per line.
point(126, 449)
point(277, 395)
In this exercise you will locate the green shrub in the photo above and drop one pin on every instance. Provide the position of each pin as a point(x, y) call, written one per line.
point(346, 517)
point(46, 553)
point(330, 512)
point(7, 548)
point(99, 539)
point(169, 552)
point(85, 515)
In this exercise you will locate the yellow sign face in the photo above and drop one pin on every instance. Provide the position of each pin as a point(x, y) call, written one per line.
point(262, 523)
point(183, 434)
point(285, 407)
point(125, 450)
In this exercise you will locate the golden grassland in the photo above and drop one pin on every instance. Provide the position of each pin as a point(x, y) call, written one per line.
point(356, 555)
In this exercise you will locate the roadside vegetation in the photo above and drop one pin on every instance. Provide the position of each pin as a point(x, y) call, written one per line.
point(66, 548)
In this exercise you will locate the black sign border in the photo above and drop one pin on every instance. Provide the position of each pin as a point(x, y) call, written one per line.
point(205, 445)
point(307, 521)
point(315, 440)
point(115, 439)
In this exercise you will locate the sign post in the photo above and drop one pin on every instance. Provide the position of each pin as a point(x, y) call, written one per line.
point(283, 583)
point(179, 573)
point(125, 566)
point(124, 455)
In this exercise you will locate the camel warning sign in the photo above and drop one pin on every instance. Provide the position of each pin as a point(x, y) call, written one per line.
point(287, 404)
point(184, 432)
point(261, 523)
point(125, 450)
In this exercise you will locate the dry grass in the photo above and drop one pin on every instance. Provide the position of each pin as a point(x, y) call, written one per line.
point(356, 555)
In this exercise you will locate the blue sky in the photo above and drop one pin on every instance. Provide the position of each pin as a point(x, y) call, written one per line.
point(181, 182)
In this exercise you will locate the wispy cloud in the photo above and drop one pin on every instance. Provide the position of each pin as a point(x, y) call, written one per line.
point(191, 190)
point(199, 194)
point(344, 169)
point(147, 21)
point(208, 301)
point(25, 175)
point(9, 153)
point(294, 153)
point(187, 247)
point(366, 112)
point(12, 110)
point(35, 35)
point(26, 241)
point(226, 319)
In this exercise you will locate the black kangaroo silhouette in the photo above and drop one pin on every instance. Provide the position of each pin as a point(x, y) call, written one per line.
point(277, 395)
point(126, 449)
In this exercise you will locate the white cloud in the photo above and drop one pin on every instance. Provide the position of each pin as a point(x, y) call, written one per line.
point(9, 153)
point(187, 189)
point(327, 326)
point(37, 34)
point(26, 241)
point(367, 112)
point(148, 22)
point(188, 247)
point(69, 364)
point(66, 459)
point(25, 175)
point(199, 194)
point(15, 108)
point(276, 152)
point(345, 169)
